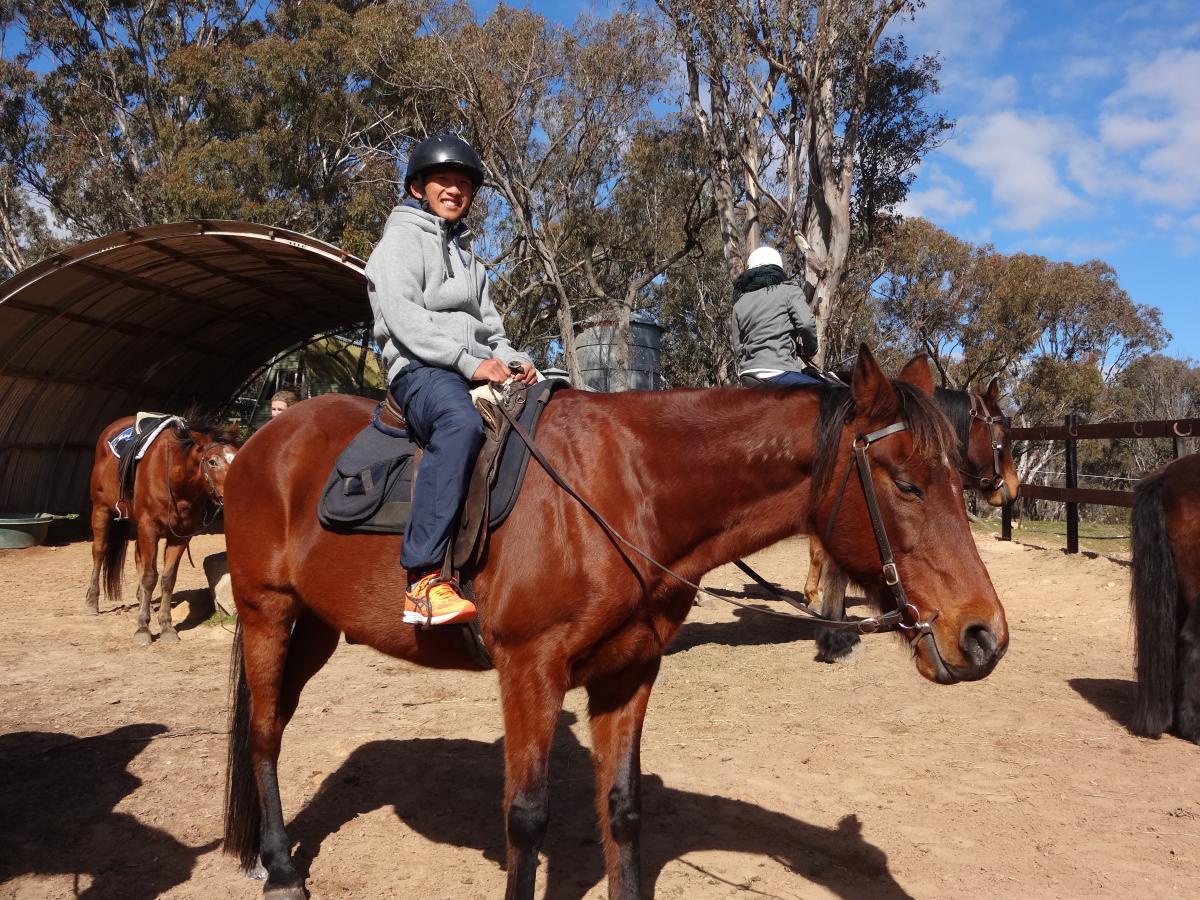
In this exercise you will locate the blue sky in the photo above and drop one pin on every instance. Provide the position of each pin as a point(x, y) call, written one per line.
point(1078, 137)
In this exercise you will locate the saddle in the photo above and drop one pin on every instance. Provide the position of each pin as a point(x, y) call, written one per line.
point(130, 445)
point(369, 490)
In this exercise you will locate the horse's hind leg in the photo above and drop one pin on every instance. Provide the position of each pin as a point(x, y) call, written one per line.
point(101, 520)
point(1187, 671)
point(171, 557)
point(147, 564)
point(532, 700)
point(617, 708)
point(279, 661)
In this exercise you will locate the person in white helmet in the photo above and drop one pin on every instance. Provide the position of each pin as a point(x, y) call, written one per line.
point(771, 322)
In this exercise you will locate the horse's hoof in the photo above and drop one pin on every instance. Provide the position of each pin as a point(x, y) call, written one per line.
point(834, 646)
point(285, 893)
point(169, 636)
point(91, 610)
point(142, 637)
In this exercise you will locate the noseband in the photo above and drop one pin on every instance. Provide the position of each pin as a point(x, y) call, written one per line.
point(905, 617)
point(996, 426)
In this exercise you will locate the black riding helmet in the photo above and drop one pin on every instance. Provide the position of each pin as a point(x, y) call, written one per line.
point(443, 151)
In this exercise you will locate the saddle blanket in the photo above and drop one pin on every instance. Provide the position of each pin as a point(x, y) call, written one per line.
point(370, 487)
point(121, 442)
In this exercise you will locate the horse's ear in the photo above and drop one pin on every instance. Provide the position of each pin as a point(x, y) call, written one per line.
point(871, 389)
point(992, 394)
point(916, 372)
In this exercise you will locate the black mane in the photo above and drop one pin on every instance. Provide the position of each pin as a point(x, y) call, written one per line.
point(957, 407)
point(203, 422)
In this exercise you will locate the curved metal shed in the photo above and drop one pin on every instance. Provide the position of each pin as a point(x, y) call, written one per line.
point(153, 318)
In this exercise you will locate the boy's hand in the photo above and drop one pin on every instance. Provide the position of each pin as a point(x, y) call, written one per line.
point(492, 370)
point(526, 375)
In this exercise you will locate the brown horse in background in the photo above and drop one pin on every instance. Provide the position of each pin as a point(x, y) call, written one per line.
point(694, 478)
point(985, 465)
point(1165, 594)
point(178, 490)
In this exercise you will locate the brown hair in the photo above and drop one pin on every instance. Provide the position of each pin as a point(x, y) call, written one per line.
point(289, 398)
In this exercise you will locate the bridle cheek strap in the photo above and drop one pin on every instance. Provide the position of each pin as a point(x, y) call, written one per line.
point(905, 616)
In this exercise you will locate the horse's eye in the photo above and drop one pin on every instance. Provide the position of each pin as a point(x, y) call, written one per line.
point(909, 488)
point(212, 463)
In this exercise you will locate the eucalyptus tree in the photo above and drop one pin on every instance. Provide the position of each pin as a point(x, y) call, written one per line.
point(797, 99)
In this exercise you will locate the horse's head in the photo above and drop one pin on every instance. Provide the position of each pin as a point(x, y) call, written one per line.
point(213, 451)
point(885, 444)
point(989, 450)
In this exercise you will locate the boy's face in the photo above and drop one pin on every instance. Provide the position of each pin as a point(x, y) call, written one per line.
point(447, 192)
point(277, 406)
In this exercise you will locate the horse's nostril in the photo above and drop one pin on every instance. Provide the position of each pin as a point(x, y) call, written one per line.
point(978, 644)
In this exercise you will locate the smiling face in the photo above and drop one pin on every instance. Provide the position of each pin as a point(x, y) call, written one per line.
point(448, 193)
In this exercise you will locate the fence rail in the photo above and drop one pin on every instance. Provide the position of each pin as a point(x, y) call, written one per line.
point(1070, 433)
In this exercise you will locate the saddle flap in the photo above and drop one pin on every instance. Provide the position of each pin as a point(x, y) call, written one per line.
point(370, 487)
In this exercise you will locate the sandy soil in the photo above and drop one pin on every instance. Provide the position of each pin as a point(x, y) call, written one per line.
point(766, 773)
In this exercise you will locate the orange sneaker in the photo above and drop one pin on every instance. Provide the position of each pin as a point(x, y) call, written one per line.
point(436, 601)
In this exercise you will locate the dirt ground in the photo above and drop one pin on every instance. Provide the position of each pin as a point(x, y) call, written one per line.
point(766, 774)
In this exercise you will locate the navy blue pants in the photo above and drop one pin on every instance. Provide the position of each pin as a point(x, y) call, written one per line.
point(787, 379)
point(442, 419)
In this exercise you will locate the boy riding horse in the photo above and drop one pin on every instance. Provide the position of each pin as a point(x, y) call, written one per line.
point(438, 331)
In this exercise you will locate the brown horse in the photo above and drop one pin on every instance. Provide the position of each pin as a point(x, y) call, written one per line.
point(985, 465)
point(1165, 594)
point(563, 604)
point(178, 490)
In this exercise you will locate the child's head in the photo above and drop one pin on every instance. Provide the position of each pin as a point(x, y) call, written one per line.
point(444, 173)
point(281, 400)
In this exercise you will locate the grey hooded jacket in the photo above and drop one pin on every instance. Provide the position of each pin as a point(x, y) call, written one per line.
point(766, 326)
point(430, 297)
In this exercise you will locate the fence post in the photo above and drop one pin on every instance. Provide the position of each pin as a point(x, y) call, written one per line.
point(1072, 483)
point(1178, 444)
point(1006, 522)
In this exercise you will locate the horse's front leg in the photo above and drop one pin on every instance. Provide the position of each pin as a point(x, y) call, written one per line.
point(171, 557)
point(617, 708)
point(532, 699)
point(833, 645)
point(147, 565)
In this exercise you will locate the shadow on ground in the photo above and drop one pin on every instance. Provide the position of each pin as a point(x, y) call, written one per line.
point(1115, 697)
point(58, 805)
point(457, 801)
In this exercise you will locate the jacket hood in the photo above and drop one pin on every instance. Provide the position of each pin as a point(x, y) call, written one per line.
point(410, 212)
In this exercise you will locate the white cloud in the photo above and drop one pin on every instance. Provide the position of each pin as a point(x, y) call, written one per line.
point(961, 32)
point(942, 201)
point(1156, 112)
point(1018, 156)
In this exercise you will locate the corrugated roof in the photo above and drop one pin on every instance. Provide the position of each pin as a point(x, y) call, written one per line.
point(149, 319)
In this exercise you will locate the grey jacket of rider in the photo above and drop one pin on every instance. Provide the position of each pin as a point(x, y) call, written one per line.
point(430, 297)
point(766, 325)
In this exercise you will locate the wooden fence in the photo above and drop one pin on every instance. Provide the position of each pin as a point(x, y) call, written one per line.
point(1070, 433)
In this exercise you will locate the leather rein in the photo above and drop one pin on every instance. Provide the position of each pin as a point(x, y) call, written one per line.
point(905, 617)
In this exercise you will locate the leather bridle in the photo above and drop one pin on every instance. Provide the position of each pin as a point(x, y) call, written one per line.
point(997, 426)
point(905, 617)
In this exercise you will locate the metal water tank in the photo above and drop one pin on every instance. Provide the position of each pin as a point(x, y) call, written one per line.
point(599, 354)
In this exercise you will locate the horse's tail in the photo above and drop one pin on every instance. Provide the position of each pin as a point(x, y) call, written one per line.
point(1154, 597)
point(118, 532)
point(243, 817)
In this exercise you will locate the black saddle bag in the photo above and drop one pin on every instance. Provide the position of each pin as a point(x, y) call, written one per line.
point(370, 487)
